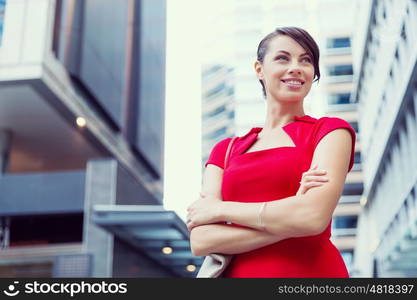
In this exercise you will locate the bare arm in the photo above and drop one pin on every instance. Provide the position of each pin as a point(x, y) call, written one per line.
point(226, 239)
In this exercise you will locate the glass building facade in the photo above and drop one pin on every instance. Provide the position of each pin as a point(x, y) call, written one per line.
point(386, 66)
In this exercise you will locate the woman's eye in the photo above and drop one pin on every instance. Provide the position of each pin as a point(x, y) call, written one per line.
point(284, 57)
point(307, 59)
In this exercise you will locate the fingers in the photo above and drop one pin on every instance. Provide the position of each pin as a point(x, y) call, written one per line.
point(314, 172)
point(312, 184)
point(190, 225)
point(310, 181)
point(189, 222)
point(315, 178)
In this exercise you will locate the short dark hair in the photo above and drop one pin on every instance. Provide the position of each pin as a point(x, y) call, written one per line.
point(300, 36)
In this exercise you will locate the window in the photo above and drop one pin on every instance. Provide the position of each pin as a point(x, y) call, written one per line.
point(347, 257)
point(353, 189)
point(57, 28)
point(339, 98)
point(46, 229)
point(355, 126)
point(344, 225)
point(2, 8)
point(211, 70)
point(230, 91)
point(215, 112)
point(344, 222)
point(338, 70)
point(216, 90)
point(358, 158)
point(216, 134)
point(403, 34)
point(340, 42)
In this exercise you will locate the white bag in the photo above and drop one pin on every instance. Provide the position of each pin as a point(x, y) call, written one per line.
point(214, 265)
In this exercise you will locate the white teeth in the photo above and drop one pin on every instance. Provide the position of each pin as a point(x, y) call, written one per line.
point(294, 82)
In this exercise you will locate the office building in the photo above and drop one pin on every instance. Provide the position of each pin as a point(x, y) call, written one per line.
point(82, 89)
point(386, 91)
point(218, 106)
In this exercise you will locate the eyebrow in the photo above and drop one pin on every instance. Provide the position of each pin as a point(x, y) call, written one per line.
point(283, 51)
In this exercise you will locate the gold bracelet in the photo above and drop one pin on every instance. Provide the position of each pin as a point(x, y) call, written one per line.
point(260, 220)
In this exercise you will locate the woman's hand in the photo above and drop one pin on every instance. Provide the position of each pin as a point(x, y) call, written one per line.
point(205, 210)
point(310, 179)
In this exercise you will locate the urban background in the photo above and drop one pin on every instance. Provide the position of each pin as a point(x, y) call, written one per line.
point(109, 110)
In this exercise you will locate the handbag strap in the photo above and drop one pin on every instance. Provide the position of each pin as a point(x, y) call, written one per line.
point(228, 151)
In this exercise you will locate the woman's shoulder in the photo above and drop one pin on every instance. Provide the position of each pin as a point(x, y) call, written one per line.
point(327, 124)
point(314, 124)
point(218, 152)
point(332, 123)
point(221, 145)
point(329, 120)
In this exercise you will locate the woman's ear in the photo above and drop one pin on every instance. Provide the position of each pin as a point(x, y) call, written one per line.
point(259, 70)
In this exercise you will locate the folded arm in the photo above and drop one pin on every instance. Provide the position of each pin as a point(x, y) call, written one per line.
point(221, 238)
point(296, 216)
point(227, 239)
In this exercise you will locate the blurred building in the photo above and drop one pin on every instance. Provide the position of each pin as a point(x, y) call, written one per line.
point(82, 97)
point(338, 81)
point(336, 88)
point(218, 106)
point(386, 89)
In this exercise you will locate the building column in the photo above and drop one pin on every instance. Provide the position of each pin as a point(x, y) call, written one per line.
point(5, 144)
point(100, 188)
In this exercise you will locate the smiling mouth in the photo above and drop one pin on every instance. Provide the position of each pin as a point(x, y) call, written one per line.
point(293, 83)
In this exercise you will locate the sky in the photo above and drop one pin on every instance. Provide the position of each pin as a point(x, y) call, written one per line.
point(192, 30)
point(182, 156)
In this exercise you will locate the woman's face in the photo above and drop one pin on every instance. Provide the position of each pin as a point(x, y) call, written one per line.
point(286, 60)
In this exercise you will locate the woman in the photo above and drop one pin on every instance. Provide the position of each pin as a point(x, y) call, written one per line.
point(271, 206)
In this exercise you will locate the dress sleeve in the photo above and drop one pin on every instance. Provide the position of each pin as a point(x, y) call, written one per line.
point(218, 153)
point(328, 124)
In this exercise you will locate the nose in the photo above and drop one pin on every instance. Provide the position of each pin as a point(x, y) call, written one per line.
point(294, 67)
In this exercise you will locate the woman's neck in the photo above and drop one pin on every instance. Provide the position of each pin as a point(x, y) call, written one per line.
point(278, 116)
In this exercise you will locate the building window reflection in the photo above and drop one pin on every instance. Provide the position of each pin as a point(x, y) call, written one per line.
point(339, 98)
point(340, 42)
point(2, 9)
point(338, 70)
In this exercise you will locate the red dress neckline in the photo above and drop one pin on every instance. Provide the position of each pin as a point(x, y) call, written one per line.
point(305, 118)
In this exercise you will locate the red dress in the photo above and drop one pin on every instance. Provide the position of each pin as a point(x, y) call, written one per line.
point(272, 174)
